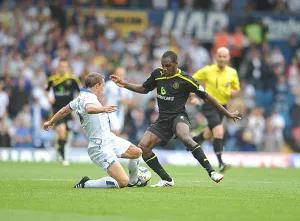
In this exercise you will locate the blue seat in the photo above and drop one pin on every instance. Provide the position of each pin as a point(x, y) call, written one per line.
point(288, 123)
point(264, 99)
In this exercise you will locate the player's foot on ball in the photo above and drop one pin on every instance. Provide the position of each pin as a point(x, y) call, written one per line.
point(223, 167)
point(164, 183)
point(217, 177)
point(65, 163)
point(139, 183)
point(82, 182)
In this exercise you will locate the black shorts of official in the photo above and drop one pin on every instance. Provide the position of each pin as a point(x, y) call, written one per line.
point(65, 120)
point(213, 117)
point(164, 129)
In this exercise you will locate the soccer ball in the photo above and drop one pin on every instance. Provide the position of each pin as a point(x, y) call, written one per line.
point(144, 175)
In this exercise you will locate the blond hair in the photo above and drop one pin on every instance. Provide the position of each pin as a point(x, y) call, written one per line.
point(92, 79)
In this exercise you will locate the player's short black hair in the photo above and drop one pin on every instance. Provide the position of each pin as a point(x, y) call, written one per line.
point(92, 79)
point(170, 54)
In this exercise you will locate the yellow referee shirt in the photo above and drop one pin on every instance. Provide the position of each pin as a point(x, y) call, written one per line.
point(218, 83)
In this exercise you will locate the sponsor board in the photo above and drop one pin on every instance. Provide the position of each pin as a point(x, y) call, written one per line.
point(178, 158)
point(294, 160)
point(126, 20)
point(203, 25)
point(199, 24)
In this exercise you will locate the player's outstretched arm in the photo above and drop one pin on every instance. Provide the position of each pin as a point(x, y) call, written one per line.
point(234, 92)
point(133, 87)
point(63, 112)
point(93, 109)
point(211, 100)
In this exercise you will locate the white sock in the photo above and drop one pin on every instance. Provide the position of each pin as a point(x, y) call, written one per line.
point(105, 182)
point(133, 167)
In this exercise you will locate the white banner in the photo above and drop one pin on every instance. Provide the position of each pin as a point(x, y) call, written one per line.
point(178, 158)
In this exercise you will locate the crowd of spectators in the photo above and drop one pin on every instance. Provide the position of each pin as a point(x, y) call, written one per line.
point(37, 36)
point(236, 6)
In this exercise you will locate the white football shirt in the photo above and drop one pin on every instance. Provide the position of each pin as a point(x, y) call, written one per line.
point(95, 126)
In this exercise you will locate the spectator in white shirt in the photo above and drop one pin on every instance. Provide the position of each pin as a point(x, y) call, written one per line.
point(3, 100)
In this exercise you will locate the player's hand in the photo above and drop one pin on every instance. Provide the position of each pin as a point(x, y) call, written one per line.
point(195, 100)
point(51, 100)
point(118, 81)
point(110, 109)
point(235, 116)
point(47, 126)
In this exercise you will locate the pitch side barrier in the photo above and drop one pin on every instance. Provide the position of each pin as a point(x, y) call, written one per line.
point(170, 157)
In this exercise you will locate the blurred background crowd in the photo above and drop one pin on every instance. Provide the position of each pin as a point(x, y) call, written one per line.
point(36, 34)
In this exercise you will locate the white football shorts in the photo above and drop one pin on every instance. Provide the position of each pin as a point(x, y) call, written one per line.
point(106, 151)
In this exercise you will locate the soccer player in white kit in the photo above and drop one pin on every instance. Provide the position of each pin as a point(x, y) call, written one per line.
point(119, 97)
point(104, 146)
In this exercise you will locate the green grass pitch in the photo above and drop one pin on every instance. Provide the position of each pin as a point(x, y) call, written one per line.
point(37, 191)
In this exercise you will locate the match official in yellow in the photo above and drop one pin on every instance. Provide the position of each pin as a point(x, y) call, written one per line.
point(221, 82)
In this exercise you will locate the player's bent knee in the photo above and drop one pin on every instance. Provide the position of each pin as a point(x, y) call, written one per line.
point(132, 152)
point(123, 182)
point(135, 153)
point(138, 152)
